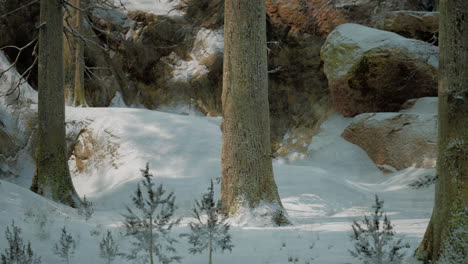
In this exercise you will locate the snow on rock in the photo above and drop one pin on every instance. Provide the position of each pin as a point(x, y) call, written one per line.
point(17, 120)
point(184, 70)
point(158, 7)
point(398, 140)
point(371, 70)
point(208, 43)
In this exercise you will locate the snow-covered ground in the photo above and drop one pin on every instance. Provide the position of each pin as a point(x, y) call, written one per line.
point(322, 191)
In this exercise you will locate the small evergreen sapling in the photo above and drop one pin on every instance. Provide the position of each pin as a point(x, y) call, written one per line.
point(65, 248)
point(109, 248)
point(151, 223)
point(374, 241)
point(212, 233)
point(18, 252)
point(86, 208)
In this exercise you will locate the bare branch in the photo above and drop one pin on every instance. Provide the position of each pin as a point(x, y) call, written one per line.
point(19, 8)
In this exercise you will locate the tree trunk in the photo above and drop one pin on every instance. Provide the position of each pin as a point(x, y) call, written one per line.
point(52, 177)
point(79, 92)
point(151, 244)
point(210, 261)
point(445, 238)
point(247, 173)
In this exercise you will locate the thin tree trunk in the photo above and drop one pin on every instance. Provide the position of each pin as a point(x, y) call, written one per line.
point(445, 238)
point(79, 91)
point(211, 255)
point(52, 177)
point(247, 173)
point(151, 239)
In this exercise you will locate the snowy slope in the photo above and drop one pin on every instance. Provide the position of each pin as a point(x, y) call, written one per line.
point(322, 191)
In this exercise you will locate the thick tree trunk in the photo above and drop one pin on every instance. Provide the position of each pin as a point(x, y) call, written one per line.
point(445, 239)
point(79, 91)
point(247, 173)
point(52, 178)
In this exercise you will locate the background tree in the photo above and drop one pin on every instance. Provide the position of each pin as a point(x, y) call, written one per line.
point(52, 177)
point(247, 173)
point(79, 91)
point(445, 238)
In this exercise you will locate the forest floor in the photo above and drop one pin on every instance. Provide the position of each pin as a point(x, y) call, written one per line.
point(322, 191)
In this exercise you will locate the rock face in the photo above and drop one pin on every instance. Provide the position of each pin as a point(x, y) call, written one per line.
point(172, 63)
point(399, 140)
point(411, 24)
point(370, 70)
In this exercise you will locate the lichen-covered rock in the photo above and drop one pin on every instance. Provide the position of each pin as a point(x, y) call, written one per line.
point(412, 24)
point(371, 70)
point(399, 140)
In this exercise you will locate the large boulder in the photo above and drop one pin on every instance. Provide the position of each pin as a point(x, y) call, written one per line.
point(371, 70)
point(398, 140)
point(412, 24)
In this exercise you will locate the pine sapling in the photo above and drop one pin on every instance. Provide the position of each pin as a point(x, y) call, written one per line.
point(18, 252)
point(86, 208)
point(109, 248)
point(210, 233)
point(65, 248)
point(374, 240)
point(151, 222)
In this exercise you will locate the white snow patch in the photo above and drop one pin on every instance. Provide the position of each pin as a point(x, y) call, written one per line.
point(158, 7)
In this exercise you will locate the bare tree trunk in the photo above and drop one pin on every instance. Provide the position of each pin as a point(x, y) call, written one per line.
point(52, 177)
point(79, 93)
point(210, 260)
point(445, 238)
point(247, 173)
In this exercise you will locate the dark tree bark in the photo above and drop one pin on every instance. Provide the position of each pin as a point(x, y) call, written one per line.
point(445, 238)
point(247, 173)
point(52, 177)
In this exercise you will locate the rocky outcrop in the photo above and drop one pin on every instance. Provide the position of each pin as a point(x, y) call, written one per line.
point(370, 70)
point(417, 5)
point(172, 63)
point(398, 140)
point(323, 16)
point(411, 24)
